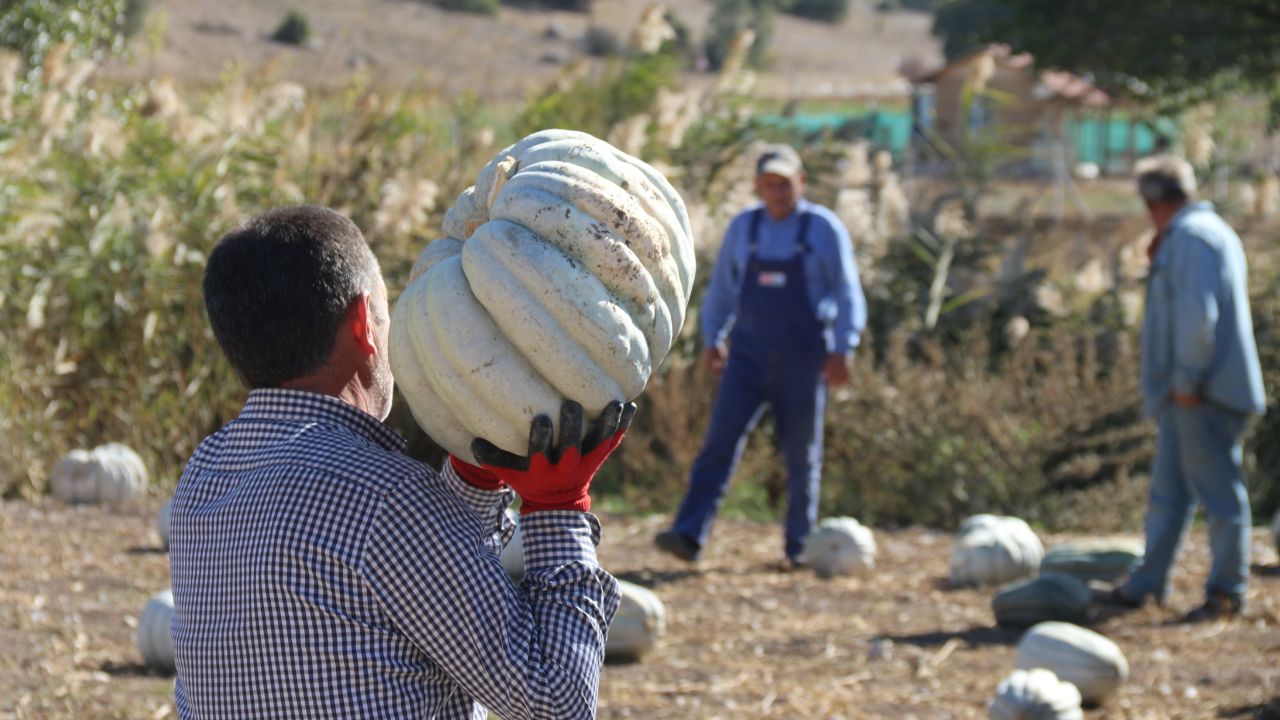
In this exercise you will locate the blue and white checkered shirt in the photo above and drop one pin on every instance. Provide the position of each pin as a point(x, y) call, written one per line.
point(320, 573)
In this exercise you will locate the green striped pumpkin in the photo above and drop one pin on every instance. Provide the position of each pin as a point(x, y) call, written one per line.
point(1105, 559)
point(1052, 596)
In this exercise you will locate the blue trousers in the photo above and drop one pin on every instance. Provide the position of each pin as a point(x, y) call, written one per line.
point(798, 396)
point(1199, 457)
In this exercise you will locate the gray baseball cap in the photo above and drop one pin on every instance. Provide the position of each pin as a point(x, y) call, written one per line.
point(779, 160)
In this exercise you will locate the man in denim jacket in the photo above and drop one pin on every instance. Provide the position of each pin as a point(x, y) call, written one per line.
point(1201, 380)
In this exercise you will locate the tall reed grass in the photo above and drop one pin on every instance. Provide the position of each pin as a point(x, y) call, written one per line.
point(1004, 382)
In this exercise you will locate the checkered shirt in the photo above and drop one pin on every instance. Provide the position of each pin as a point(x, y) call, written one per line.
point(320, 573)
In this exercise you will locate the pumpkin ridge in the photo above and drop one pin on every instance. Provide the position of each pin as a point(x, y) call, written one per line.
point(601, 251)
point(606, 333)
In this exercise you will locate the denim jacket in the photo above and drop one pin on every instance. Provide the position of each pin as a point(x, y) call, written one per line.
point(1197, 336)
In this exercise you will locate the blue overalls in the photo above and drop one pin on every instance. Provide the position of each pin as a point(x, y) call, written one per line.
point(776, 354)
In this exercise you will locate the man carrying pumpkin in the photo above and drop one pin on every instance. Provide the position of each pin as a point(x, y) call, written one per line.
point(317, 571)
point(786, 299)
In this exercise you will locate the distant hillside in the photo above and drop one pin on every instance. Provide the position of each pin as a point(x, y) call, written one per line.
point(504, 57)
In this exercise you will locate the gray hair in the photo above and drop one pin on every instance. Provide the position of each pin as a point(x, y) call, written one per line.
point(1166, 178)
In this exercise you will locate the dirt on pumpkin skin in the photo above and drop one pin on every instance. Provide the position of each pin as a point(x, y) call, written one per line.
point(743, 639)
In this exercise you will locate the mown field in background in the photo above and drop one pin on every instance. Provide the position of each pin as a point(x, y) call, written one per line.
point(113, 195)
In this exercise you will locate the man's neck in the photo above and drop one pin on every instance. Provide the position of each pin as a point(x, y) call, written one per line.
point(326, 382)
point(784, 214)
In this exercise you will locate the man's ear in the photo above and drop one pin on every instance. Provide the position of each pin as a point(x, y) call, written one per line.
point(360, 323)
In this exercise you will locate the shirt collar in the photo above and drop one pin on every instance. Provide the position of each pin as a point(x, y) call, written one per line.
point(1193, 207)
point(283, 405)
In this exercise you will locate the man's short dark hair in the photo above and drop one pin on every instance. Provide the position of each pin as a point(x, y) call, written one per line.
point(1165, 178)
point(277, 290)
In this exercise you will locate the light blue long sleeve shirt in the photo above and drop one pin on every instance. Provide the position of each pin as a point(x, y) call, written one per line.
point(831, 274)
point(1197, 336)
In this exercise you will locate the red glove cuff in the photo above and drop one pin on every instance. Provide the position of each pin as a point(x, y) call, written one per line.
point(476, 477)
point(583, 504)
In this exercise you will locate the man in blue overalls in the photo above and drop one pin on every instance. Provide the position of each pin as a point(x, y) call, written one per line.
point(785, 290)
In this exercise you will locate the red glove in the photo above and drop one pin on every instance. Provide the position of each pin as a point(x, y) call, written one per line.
point(558, 479)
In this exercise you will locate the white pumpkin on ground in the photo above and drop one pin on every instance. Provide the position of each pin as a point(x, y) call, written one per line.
point(155, 641)
point(840, 546)
point(513, 552)
point(111, 473)
point(564, 274)
point(991, 550)
point(162, 522)
point(1051, 596)
point(1077, 655)
point(1035, 695)
point(640, 621)
point(1105, 559)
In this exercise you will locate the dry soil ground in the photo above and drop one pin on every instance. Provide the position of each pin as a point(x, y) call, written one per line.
point(398, 42)
point(743, 640)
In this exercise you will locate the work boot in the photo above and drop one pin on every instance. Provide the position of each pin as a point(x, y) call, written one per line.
point(1119, 597)
point(674, 543)
point(1218, 606)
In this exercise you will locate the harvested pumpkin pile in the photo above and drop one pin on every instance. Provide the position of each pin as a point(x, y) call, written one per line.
point(742, 640)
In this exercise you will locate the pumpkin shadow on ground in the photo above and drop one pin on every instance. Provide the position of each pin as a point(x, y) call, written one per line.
point(146, 551)
point(1266, 570)
point(974, 636)
point(1269, 710)
point(651, 579)
point(116, 669)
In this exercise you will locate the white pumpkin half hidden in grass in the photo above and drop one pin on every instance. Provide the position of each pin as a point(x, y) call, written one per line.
point(1105, 559)
point(564, 273)
point(1052, 596)
point(640, 621)
point(840, 546)
point(1035, 695)
point(1077, 655)
point(991, 550)
point(162, 522)
point(155, 641)
point(111, 473)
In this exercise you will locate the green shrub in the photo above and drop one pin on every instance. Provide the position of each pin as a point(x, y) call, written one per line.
point(828, 11)
point(135, 14)
point(295, 29)
point(94, 28)
point(682, 44)
point(601, 42)
point(581, 6)
point(731, 16)
point(478, 7)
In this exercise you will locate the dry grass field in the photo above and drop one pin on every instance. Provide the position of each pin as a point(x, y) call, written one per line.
point(404, 42)
point(743, 639)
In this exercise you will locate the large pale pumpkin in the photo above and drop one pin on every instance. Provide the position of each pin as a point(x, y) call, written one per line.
point(990, 550)
point(155, 641)
point(1079, 656)
point(840, 546)
point(1052, 596)
point(1095, 558)
point(1035, 695)
point(640, 621)
point(564, 274)
point(111, 473)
